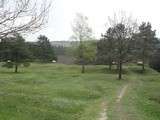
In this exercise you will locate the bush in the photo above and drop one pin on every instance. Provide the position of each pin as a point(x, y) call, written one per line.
point(155, 61)
point(8, 64)
point(26, 64)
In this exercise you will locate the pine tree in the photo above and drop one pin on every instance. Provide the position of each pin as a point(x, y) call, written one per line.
point(15, 52)
point(46, 51)
point(106, 48)
point(145, 43)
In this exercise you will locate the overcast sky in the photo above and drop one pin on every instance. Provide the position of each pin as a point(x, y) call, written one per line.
point(63, 12)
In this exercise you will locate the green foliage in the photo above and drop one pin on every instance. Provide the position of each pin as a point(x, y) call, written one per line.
point(14, 51)
point(34, 50)
point(123, 39)
point(146, 41)
point(115, 45)
point(88, 49)
point(82, 32)
point(26, 64)
point(45, 51)
point(8, 64)
point(154, 60)
point(106, 48)
point(121, 44)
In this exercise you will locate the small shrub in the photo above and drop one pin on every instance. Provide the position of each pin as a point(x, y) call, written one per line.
point(8, 64)
point(26, 64)
point(155, 61)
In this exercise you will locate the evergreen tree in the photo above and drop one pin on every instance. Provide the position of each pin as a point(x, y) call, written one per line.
point(106, 48)
point(46, 51)
point(154, 60)
point(15, 52)
point(145, 42)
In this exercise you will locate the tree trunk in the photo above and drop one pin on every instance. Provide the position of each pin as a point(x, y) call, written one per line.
point(143, 61)
point(16, 62)
point(143, 67)
point(120, 70)
point(117, 66)
point(110, 66)
point(16, 68)
point(83, 68)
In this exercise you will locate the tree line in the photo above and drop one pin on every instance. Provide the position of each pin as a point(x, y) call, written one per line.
point(139, 47)
point(15, 51)
point(124, 41)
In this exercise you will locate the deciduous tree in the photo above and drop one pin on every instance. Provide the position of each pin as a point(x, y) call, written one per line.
point(123, 28)
point(22, 16)
point(81, 32)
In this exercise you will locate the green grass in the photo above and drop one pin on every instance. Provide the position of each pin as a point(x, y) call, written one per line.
point(55, 92)
point(142, 99)
point(61, 92)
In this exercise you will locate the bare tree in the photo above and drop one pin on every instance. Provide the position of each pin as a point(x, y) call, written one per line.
point(124, 28)
point(22, 16)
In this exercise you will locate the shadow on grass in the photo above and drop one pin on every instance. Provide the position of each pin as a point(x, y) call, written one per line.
point(13, 73)
point(105, 70)
point(147, 71)
point(155, 99)
point(138, 71)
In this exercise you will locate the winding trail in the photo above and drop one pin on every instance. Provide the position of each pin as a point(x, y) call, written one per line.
point(103, 113)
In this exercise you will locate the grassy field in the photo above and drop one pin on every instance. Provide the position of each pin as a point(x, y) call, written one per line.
point(61, 92)
point(142, 98)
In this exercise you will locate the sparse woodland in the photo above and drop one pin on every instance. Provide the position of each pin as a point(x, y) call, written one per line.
point(114, 77)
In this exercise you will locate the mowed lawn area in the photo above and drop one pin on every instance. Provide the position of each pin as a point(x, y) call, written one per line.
point(61, 92)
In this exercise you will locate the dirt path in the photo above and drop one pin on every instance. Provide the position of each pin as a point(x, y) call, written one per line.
point(119, 106)
point(103, 113)
point(121, 94)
